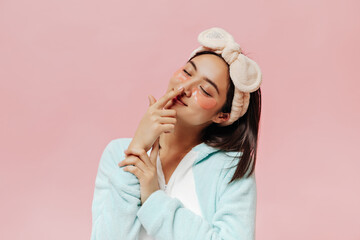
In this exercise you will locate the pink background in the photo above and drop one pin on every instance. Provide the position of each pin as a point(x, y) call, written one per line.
point(76, 74)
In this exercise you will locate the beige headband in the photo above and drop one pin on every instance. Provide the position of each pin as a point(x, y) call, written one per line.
point(244, 72)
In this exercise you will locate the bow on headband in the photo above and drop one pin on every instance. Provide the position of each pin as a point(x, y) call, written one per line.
point(244, 72)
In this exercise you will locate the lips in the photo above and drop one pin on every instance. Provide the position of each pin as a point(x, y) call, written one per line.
point(178, 99)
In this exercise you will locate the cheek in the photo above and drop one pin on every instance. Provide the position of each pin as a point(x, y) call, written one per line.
point(180, 76)
point(203, 101)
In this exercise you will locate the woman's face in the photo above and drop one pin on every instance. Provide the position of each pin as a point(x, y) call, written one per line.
point(205, 79)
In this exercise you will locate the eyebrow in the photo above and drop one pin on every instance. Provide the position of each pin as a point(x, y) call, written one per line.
point(206, 79)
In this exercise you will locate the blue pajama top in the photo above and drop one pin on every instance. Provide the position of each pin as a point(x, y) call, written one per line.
point(196, 204)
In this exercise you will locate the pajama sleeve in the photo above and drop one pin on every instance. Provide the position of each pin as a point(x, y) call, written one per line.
point(166, 218)
point(116, 199)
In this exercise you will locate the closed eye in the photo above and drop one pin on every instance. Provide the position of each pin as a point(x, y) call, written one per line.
point(205, 91)
point(200, 86)
point(186, 72)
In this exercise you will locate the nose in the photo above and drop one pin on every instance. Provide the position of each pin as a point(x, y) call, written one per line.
point(189, 85)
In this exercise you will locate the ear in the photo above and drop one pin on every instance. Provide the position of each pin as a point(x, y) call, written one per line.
point(221, 117)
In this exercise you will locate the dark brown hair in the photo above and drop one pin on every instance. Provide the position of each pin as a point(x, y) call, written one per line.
point(241, 135)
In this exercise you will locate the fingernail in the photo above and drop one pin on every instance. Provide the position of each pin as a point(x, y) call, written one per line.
point(180, 88)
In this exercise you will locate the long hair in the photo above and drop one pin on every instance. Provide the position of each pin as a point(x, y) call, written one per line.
point(241, 135)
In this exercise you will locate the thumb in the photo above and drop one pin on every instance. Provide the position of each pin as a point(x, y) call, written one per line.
point(152, 100)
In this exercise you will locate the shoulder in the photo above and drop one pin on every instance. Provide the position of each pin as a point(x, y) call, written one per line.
point(229, 163)
point(222, 164)
point(242, 189)
point(235, 202)
point(225, 159)
point(240, 194)
point(114, 150)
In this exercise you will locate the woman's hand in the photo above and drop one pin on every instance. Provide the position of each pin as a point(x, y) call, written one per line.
point(156, 120)
point(145, 169)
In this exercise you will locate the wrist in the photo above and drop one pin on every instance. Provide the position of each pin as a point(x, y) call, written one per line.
point(138, 145)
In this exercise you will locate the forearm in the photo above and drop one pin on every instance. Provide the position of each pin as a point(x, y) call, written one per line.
point(115, 217)
point(135, 143)
point(116, 199)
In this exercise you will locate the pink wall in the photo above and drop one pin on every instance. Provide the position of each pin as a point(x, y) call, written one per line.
point(76, 74)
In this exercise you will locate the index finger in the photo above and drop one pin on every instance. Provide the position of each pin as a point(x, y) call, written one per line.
point(167, 97)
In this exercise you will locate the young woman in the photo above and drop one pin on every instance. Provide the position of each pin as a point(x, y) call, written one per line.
point(199, 180)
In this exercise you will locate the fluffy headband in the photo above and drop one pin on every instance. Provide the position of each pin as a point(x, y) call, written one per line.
point(244, 72)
